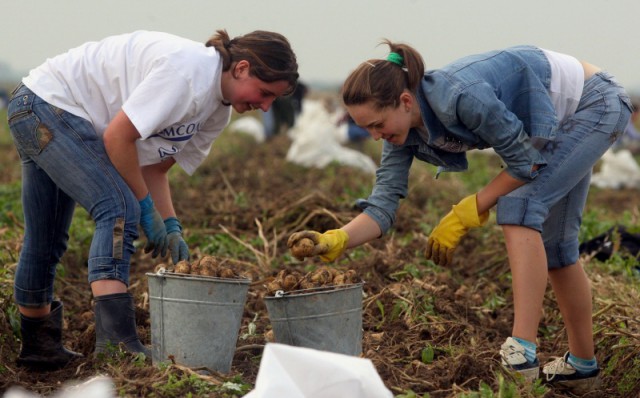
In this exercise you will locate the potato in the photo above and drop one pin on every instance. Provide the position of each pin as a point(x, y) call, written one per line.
point(290, 282)
point(280, 276)
point(351, 276)
point(273, 287)
point(195, 267)
point(160, 267)
point(208, 269)
point(183, 267)
point(303, 248)
point(208, 266)
point(227, 273)
point(306, 284)
point(332, 271)
point(321, 277)
point(269, 336)
point(339, 279)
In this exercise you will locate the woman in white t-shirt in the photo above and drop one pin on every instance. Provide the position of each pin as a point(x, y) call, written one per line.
point(100, 126)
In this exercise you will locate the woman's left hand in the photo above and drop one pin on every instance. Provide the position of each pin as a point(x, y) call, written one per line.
point(446, 236)
point(175, 242)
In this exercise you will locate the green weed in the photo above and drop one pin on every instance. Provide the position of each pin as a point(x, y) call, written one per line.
point(508, 389)
point(236, 386)
point(494, 302)
point(220, 244)
point(596, 221)
point(411, 394)
point(181, 385)
point(631, 379)
point(427, 354)
point(408, 271)
point(13, 316)
point(382, 316)
point(626, 351)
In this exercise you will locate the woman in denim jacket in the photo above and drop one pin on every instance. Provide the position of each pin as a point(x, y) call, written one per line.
point(549, 117)
point(101, 126)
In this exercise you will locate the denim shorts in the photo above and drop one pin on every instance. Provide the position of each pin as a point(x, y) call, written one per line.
point(64, 162)
point(554, 201)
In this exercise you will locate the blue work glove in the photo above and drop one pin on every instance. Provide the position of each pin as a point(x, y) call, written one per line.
point(153, 227)
point(175, 242)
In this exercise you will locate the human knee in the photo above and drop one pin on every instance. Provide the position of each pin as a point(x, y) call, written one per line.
point(118, 219)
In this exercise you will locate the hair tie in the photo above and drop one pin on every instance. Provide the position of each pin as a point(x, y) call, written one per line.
point(396, 59)
point(227, 44)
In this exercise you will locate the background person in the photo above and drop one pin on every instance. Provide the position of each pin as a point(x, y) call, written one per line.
point(550, 117)
point(282, 115)
point(101, 125)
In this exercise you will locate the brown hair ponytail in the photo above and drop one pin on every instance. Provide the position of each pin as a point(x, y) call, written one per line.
point(382, 81)
point(269, 54)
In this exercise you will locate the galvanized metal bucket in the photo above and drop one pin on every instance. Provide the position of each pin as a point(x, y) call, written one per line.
point(323, 319)
point(195, 320)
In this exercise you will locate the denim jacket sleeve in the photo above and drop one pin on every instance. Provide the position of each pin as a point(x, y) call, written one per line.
point(487, 116)
point(392, 179)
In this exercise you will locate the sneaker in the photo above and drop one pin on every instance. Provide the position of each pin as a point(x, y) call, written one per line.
point(559, 372)
point(513, 359)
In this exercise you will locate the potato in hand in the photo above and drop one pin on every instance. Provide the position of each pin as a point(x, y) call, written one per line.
point(303, 248)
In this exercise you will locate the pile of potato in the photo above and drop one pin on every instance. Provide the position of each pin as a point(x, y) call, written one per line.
point(325, 276)
point(205, 266)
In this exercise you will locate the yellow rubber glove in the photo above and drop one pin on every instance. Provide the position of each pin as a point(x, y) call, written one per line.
point(447, 234)
point(329, 245)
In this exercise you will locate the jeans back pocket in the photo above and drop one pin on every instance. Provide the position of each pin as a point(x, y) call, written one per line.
point(28, 135)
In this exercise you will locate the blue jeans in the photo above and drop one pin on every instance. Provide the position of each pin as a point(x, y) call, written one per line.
point(554, 201)
point(64, 162)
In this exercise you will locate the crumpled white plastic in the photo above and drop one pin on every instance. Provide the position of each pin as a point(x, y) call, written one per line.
point(96, 387)
point(298, 372)
point(317, 141)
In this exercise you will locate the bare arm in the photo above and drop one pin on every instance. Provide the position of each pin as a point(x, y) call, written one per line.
point(361, 229)
point(157, 179)
point(120, 143)
point(501, 185)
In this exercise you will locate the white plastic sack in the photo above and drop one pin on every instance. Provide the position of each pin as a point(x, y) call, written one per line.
point(96, 387)
point(250, 126)
point(297, 372)
point(618, 170)
point(317, 141)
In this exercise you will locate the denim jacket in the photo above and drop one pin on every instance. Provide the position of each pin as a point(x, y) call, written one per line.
point(498, 99)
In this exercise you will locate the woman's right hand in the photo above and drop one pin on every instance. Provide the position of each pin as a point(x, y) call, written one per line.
point(329, 245)
point(153, 227)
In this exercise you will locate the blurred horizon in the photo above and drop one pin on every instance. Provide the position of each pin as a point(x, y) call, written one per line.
point(332, 37)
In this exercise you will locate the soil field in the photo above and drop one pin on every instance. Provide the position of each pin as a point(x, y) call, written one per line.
point(429, 331)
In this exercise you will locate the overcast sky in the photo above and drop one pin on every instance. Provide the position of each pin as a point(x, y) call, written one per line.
point(330, 37)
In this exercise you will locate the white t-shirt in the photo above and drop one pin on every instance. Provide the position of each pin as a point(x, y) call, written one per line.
point(567, 82)
point(168, 86)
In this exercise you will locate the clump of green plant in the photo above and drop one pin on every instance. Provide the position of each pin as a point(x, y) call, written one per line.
point(625, 355)
point(508, 389)
point(411, 394)
point(183, 385)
